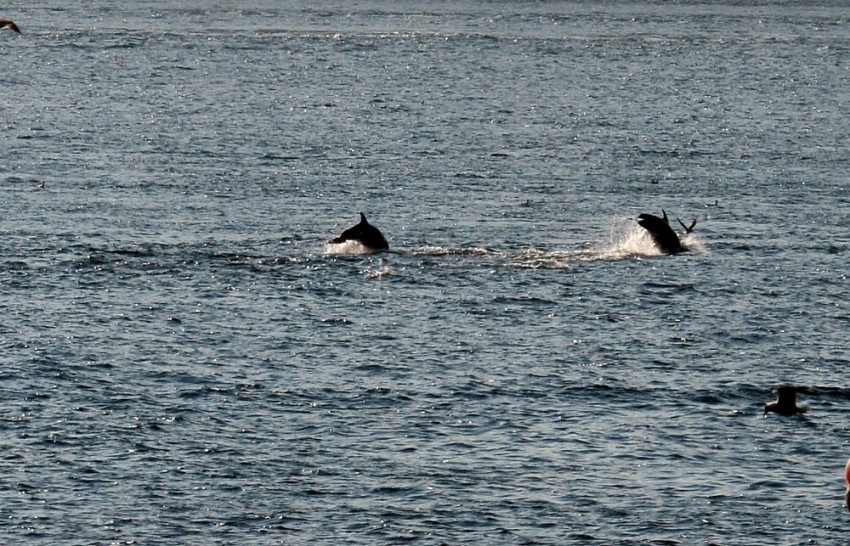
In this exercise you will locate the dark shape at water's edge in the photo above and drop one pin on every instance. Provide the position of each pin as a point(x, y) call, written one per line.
point(786, 400)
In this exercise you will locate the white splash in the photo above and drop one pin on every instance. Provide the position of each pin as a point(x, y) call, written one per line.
point(350, 247)
point(628, 239)
point(380, 273)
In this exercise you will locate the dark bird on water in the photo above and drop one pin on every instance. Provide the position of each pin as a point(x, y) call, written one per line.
point(786, 400)
point(5, 23)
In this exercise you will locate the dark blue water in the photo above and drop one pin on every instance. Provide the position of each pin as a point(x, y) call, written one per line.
point(184, 360)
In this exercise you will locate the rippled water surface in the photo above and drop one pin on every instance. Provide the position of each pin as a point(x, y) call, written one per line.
point(184, 360)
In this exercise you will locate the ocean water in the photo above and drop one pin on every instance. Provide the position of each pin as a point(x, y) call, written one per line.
point(183, 360)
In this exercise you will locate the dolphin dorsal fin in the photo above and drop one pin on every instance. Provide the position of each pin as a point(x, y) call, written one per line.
point(363, 218)
point(686, 228)
point(665, 216)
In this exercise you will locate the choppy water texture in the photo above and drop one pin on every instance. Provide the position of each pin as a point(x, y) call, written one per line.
point(184, 360)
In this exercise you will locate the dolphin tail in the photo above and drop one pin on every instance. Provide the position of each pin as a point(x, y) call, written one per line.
point(688, 229)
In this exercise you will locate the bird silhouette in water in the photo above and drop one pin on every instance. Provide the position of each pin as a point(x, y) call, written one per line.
point(5, 23)
point(786, 400)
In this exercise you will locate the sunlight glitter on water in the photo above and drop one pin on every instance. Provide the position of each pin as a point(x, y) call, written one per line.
point(184, 360)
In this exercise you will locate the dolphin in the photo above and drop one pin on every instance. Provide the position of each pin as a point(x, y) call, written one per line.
point(5, 23)
point(786, 400)
point(364, 233)
point(662, 234)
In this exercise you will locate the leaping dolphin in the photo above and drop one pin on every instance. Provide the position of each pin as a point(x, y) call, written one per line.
point(5, 23)
point(662, 234)
point(364, 233)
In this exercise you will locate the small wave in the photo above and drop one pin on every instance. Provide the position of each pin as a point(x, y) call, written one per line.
point(635, 243)
point(447, 251)
point(380, 273)
point(525, 259)
point(535, 259)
